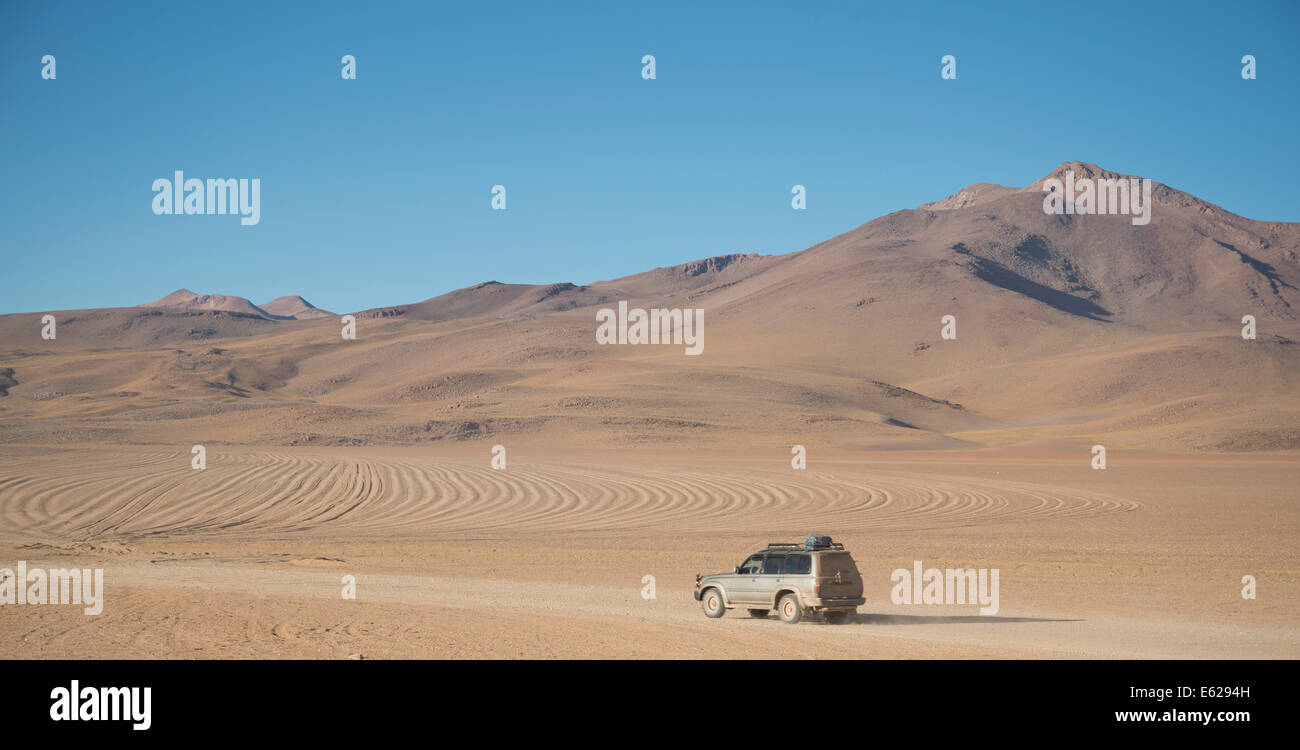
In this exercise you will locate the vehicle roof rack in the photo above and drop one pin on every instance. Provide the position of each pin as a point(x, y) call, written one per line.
point(802, 546)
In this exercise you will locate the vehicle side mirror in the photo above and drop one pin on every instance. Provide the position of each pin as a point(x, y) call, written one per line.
point(737, 570)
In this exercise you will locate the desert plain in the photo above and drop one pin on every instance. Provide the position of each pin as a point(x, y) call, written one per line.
point(372, 457)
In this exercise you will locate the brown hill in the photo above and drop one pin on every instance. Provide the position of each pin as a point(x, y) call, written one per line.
point(184, 299)
point(1080, 328)
point(294, 307)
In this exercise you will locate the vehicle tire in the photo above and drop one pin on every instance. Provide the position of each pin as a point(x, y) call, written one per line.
point(837, 616)
point(759, 613)
point(712, 602)
point(789, 610)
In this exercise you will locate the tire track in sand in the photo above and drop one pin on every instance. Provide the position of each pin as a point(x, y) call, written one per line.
point(83, 495)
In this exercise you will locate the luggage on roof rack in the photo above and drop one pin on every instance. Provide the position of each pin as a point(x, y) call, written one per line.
point(814, 542)
point(817, 542)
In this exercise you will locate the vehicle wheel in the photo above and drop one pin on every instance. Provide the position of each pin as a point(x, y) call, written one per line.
point(789, 610)
point(759, 613)
point(837, 617)
point(712, 603)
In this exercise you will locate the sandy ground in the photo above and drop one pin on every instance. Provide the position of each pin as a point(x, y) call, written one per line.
point(245, 559)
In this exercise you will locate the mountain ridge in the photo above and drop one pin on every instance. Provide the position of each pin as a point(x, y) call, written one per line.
point(1083, 328)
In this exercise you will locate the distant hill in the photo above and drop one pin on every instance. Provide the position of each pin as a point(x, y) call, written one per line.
point(294, 307)
point(291, 307)
point(1075, 327)
point(184, 299)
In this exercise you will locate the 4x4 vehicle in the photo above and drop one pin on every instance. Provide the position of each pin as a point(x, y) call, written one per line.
point(794, 579)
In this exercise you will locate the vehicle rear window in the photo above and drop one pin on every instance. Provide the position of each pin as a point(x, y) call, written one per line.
point(841, 563)
point(773, 563)
point(798, 565)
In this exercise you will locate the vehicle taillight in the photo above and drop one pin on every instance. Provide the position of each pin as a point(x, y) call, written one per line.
point(817, 587)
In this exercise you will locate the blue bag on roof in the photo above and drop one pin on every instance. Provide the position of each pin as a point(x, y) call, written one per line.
point(817, 542)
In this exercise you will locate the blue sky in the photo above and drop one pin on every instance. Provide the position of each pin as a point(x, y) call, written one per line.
point(376, 191)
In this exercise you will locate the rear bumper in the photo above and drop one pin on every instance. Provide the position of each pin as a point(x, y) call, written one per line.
point(833, 603)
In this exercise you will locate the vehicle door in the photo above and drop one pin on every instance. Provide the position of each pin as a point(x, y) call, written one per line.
point(797, 573)
point(838, 576)
point(744, 584)
point(768, 581)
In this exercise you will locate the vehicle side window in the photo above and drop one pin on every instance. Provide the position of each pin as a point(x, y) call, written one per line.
point(752, 565)
point(798, 565)
point(772, 564)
